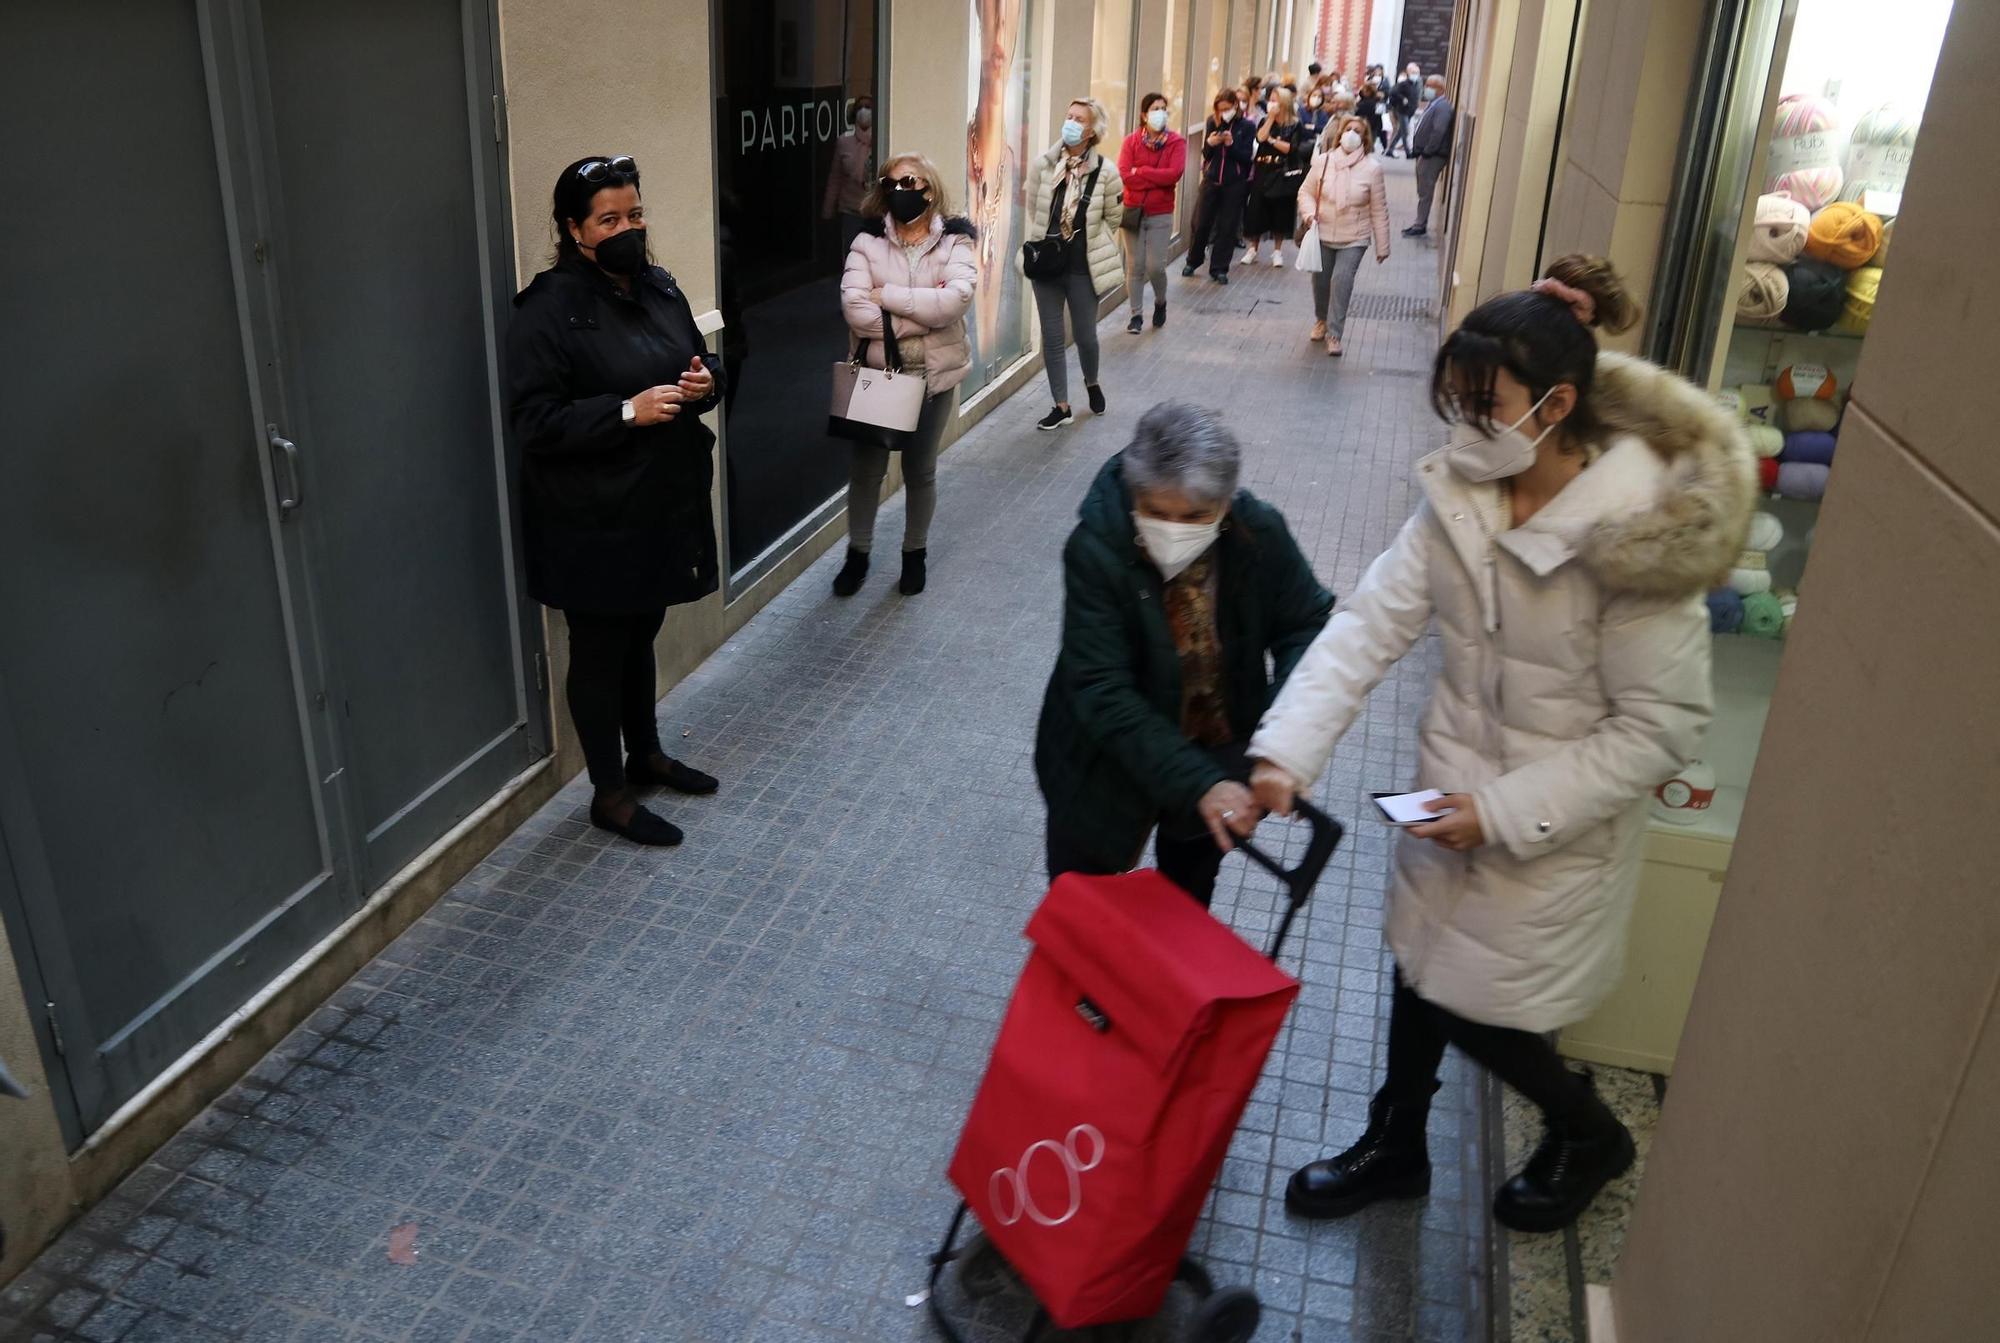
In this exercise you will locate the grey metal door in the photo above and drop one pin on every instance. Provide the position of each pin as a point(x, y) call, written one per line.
point(389, 256)
point(160, 753)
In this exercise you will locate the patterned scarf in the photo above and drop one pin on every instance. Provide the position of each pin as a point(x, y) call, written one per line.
point(1075, 174)
point(1190, 601)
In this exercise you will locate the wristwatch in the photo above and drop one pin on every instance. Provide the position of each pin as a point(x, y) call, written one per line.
point(627, 414)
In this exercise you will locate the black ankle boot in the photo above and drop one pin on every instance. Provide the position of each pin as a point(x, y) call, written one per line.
point(912, 581)
point(1390, 1161)
point(852, 574)
point(1579, 1155)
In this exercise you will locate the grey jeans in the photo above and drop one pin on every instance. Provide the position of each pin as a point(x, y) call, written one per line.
point(871, 466)
point(1429, 169)
point(1074, 292)
point(1146, 258)
point(1333, 284)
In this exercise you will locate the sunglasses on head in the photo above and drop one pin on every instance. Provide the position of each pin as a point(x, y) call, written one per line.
point(603, 170)
point(905, 183)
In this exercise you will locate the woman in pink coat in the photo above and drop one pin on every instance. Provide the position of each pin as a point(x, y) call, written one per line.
point(1344, 195)
point(912, 267)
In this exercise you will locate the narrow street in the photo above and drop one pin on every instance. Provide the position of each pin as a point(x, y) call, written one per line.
point(602, 1093)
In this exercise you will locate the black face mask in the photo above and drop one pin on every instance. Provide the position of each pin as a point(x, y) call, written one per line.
point(907, 206)
point(623, 254)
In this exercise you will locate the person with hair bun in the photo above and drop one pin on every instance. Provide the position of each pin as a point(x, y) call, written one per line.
point(1583, 506)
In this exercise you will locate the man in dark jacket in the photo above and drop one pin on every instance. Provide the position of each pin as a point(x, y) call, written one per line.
point(1228, 148)
point(1430, 146)
point(1187, 604)
point(1403, 100)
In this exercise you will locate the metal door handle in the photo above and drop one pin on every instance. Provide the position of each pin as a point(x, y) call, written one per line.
point(291, 492)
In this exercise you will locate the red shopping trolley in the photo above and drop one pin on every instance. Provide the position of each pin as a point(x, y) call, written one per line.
point(1136, 1034)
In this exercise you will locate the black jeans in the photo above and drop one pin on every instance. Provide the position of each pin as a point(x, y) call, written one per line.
point(612, 688)
point(1419, 1031)
point(1188, 862)
point(1217, 212)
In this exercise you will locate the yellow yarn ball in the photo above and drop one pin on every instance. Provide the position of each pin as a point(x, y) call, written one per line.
point(1859, 308)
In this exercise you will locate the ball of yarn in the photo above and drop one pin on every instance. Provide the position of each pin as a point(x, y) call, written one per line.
point(1767, 469)
point(1859, 309)
point(1844, 234)
point(1879, 151)
point(1779, 234)
point(1731, 401)
point(1765, 531)
point(1725, 611)
point(1808, 447)
point(1763, 615)
point(1801, 380)
point(1766, 440)
point(1804, 162)
point(1881, 257)
point(1762, 292)
point(1818, 292)
point(1809, 415)
point(1743, 582)
point(1802, 480)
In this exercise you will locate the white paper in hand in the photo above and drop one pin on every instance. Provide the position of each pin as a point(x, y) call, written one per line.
point(1411, 808)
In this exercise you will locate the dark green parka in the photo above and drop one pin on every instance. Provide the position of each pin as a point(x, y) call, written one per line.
point(1109, 753)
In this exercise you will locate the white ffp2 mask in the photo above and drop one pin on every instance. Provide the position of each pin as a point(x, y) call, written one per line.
point(1479, 456)
point(1173, 546)
point(1350, 140)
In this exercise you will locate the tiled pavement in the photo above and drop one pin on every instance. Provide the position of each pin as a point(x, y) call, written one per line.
point(605, 1094)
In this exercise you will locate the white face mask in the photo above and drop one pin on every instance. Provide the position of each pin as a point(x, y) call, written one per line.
point(1228, 115)
point(864, 119)
point(1481, 457)
point(1350, 140)
point(1157, 119)
point(1173, 546)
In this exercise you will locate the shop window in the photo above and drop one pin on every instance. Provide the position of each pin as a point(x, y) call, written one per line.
point(996, 162)
point(1111, 64)
point(796, 87)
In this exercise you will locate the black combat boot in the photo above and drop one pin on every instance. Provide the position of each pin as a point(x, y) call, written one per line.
point(1390, 1161)
point(1580, 1154)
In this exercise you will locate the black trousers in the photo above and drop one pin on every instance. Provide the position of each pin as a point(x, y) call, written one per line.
point(611, 689)
point(1419, 1031)
point(1218, 210)
point(1189, 862)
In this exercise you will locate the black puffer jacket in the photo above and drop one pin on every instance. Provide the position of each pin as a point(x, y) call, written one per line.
point(616, 520)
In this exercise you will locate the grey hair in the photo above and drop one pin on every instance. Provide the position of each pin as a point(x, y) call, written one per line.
point(1186, 448)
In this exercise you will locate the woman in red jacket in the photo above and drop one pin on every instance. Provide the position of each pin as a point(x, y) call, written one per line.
point(1152, 162)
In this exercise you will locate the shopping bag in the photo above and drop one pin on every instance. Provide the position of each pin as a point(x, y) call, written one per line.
point(1131, 1046)
point(875, 406)
point(1309, 257)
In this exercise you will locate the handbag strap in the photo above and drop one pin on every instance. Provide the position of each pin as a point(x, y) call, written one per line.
point(892, 354)
point(1083, 203)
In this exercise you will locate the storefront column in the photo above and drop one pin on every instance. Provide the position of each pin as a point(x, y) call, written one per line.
point(1824, 1165)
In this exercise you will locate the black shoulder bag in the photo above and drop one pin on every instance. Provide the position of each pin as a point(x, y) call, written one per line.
point(1047, 258)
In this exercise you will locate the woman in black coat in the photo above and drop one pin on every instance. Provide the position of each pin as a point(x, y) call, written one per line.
point(607, 378)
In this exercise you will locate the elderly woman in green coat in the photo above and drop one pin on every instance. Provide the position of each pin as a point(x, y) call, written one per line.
point(1187, 604)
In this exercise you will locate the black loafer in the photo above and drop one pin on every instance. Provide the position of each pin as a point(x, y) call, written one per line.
point(1187, 271)
point(644, 828)
point(677, 776)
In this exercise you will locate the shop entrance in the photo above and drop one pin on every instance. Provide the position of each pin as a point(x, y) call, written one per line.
point(797, 101)
point(262, 641)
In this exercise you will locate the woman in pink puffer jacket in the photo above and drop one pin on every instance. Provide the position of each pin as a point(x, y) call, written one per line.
point(914, 267)
point(1345, 197)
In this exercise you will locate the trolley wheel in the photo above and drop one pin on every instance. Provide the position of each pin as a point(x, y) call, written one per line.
point(981, 1270)
point(1196, 1277)
point(1227, 1316)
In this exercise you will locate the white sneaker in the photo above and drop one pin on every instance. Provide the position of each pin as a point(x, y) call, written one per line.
point(1250, 257)
point(1278, 259)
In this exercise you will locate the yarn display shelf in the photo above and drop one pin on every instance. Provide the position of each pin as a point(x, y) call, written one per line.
point(1745, 676)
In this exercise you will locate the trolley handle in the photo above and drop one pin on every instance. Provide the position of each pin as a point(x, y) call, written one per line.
point(1299, 881)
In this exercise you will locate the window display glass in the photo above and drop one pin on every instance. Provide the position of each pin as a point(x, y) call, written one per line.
point(1806, 239)
point(996, 159)
point(1111, 62)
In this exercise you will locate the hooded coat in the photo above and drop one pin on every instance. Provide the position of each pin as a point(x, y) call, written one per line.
point(1102, 213)
point(926, 297)
point(1575, 680)
point(1109, 753)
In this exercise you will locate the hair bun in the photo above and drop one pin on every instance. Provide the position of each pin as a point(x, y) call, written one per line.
point(1595, 276)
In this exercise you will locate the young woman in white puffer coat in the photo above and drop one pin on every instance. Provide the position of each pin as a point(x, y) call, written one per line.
point(1585, 504)
point(914, 266)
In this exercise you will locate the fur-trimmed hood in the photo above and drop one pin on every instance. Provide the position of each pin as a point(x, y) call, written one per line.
point(956, 225)
point(1688, 535)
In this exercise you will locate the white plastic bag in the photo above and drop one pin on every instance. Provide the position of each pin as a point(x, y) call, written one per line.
point(1309, 258)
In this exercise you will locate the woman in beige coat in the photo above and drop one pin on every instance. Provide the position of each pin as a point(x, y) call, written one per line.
point(1568, 533)
point(1345, 198)
point(912, 268)
point(1063, 178)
